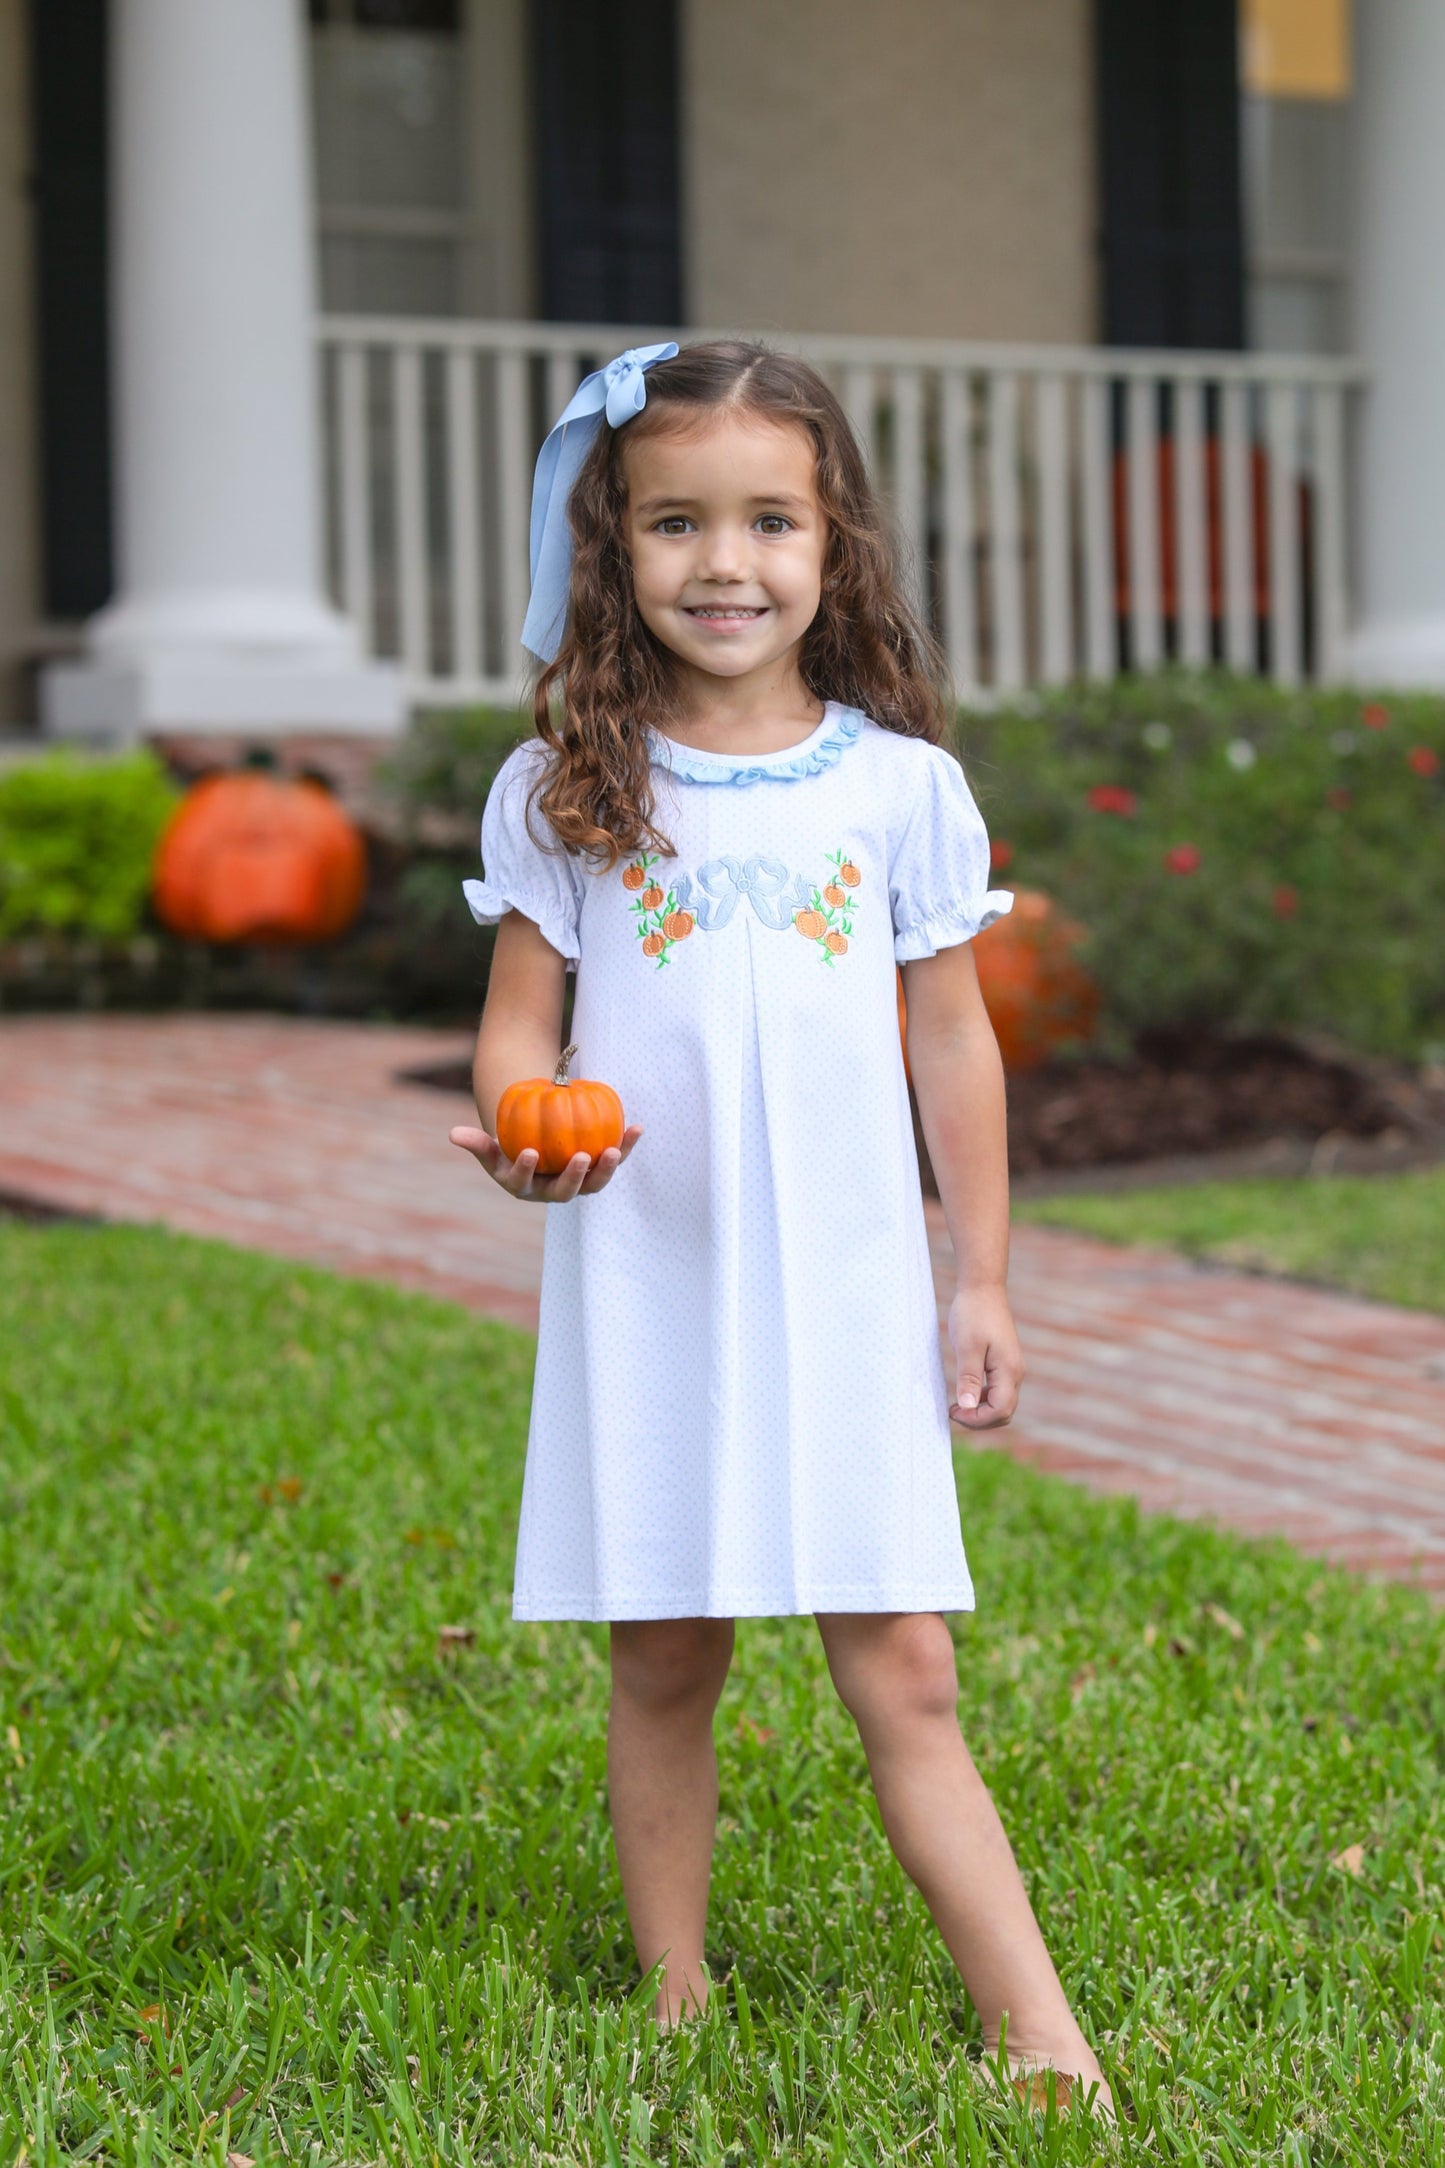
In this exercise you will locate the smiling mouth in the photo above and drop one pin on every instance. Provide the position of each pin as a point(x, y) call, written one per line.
point(731, 616)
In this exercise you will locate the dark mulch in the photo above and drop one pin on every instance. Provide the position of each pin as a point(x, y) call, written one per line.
point(1209, 1096)
point(19, 1205)
point(1197, 1097)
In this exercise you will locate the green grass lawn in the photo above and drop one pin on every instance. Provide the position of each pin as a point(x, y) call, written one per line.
point(291, 1871)
point(1382, 1234)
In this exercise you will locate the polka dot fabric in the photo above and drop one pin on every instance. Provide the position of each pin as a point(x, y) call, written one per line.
point(740, 1406)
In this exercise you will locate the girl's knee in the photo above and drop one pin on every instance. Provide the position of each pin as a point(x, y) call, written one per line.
point(896, 1670)
point(666, 1663)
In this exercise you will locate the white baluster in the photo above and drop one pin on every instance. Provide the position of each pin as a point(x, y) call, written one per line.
point(410, 470)
point(1237, 483)
point(959, 602)
point(1191, 526)
point(464, 516)
point(1328, 532)
point(563, 377)
point(1100, 652)
point(515, 454)
point(910, 482)
point(1142, 436)
point(858, 404)
point(1284, 641)
point(1005, 551)
point(1056, 604)
point(354, 457)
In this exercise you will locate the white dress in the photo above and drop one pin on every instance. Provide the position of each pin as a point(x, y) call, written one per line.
point(740, 1406)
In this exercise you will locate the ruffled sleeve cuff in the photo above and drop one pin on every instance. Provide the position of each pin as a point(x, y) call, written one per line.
point(518, 873)
point(946, 929)
point(489, 901)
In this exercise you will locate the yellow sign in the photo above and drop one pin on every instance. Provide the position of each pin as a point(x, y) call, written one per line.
point(1296, 48)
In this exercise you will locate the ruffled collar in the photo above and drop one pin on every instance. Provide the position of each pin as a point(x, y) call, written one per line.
point(823, 749)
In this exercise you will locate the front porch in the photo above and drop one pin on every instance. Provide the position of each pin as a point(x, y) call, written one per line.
point(1064, 511)
point(292, 564)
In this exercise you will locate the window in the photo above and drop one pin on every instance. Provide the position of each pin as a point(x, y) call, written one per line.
point(1295, 90)
point(388, 92)
point(606, 116)
point(1168, 118)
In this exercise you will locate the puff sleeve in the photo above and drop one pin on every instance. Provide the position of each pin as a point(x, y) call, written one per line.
point(519, 873)
point(938, 878)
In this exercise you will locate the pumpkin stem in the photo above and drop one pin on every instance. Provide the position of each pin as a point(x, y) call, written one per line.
point(561, 1076)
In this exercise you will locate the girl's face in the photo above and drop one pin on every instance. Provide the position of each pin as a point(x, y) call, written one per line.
point(727, 541)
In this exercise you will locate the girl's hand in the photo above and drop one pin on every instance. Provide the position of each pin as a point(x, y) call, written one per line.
point(519, 1177)
point(988, 1361)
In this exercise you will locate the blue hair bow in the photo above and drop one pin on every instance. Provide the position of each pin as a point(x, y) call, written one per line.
point(618, 391)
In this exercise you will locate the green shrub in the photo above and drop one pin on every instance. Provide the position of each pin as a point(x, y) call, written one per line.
point(1259, 859)
point(446, 763)
point(77, 840)
point(1315, 903)
point(438, 779)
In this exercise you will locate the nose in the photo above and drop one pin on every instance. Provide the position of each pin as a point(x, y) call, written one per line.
point(724, 553)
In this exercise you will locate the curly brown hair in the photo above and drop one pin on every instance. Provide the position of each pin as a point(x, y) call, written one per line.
point(866, 648)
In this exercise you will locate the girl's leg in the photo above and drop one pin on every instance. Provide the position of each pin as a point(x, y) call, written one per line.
point(895, 1674)
point(667, 1675)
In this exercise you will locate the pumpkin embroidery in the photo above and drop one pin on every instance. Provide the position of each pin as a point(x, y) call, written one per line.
point(706, 900)
point(828, 917)
point(660, 922)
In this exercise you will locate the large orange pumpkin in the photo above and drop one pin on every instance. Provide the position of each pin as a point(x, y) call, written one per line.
point(558, 1117)
point(1037, 994)
point(249, 857)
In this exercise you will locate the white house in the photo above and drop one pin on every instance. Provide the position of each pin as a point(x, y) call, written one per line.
point(1138, 307)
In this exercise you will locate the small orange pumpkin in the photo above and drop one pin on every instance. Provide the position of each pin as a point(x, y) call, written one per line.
point(834, 894)
point(250, 857)
point(1036, 993)
point(678, 925)
point(560, 1118)
point(654, 944)
point(810, 924)
point(651, 897)
point(837, 942)
point(848, 874)
point(633, 876)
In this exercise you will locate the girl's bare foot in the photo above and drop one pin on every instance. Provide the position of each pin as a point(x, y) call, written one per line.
point(1029, 2076)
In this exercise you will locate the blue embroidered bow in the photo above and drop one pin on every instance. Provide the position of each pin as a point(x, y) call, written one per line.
point(619, 392)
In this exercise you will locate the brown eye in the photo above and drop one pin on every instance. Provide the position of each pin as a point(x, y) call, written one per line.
point(774, 523)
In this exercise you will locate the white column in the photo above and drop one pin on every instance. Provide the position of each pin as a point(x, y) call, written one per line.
point(220, 622)
point(1398, 312)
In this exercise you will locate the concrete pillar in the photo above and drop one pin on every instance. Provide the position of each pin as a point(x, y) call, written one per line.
point(220, 622)
point(1398, 327)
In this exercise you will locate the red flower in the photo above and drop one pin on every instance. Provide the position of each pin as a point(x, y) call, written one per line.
point(1000, 854)
point(1424, 759)
point(1285, 901)
point(1375, 715)
point(1113, 798)
point(1338, 797)
point(1183, 858)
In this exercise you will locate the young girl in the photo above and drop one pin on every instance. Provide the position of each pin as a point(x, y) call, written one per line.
point(736, 817)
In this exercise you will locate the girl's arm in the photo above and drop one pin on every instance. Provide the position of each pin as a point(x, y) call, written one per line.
point(958, 1081)
point(520, 1036)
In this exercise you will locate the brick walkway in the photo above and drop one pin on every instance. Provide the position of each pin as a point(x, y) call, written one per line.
point(1269, 1407)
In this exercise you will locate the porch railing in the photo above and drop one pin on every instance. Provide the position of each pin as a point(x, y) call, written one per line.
point(1063, 511)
